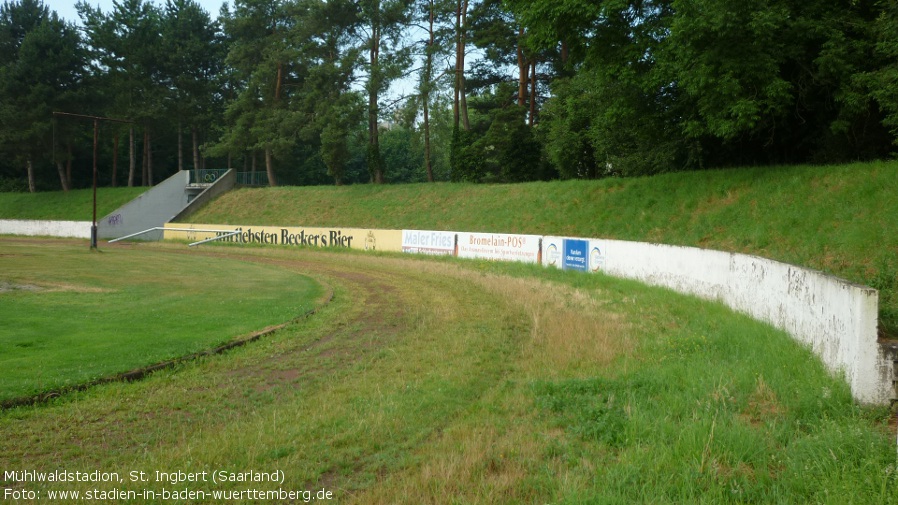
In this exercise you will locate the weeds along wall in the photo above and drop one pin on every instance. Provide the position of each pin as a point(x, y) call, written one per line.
point(836, 318)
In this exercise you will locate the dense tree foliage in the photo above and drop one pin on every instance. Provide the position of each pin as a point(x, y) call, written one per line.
point(695, 83)
point(342, 91)
point(42, 65)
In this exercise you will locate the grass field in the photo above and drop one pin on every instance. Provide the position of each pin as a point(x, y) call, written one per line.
point(71, 316)
point(435, 381)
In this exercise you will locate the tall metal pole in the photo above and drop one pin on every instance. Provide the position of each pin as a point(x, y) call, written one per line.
point(93, 227)
point(96, 120)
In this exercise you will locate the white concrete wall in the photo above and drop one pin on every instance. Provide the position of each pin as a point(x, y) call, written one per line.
point(153, 208)
point(836, 318)
point(74, 229)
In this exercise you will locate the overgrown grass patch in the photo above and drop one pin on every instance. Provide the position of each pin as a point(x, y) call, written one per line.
point(71, 316)
point(714, 407)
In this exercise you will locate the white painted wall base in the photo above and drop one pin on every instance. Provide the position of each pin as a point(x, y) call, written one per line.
point(836, 318)
point(72, 229)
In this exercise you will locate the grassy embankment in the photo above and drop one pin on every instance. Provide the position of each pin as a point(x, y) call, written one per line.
point(71, 316)
point(76, 205)
point(838, 219)
point(433, 381)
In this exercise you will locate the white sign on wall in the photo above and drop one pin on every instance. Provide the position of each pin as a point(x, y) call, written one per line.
point(437, 243)
point(499, 246)
point(553, 248)
point(597, 251)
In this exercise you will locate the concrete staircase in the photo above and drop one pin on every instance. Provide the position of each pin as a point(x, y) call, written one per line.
point(176, 196)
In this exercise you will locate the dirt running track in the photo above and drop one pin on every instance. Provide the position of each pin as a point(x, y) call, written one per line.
point(393, 326)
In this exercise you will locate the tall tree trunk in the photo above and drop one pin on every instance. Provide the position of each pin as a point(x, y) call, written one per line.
point(60, 167)
point(132, 158)
point(460, 102)
point(464, 44)
point(196, 146)
point(252, 174)
point(523, 67)
point(115, 159)
point(68, 164)
point(427, 164)
point(149, 157)
point(533, 92)
point(269, 168)
point(465, 122)
point(277, 85)
point(456, 87)
point(29, 168)
point(425, 92)
point(375, 164)
point(269, 163)
point(146, 150)
point(180, 149)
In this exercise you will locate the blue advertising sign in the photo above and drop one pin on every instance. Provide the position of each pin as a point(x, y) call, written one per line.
point(576, 254)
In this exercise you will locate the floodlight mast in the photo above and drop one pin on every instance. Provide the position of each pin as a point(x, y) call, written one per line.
point(96, 120)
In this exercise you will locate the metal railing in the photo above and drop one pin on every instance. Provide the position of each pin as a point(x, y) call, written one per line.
point(252, 178)
point(206, 175)
point(221, 234)
point(210, 175)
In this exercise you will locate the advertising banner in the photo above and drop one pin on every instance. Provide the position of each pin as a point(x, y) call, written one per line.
point(576, 254)
point(597, 251)
point(438, 243)
point(553, 247)
point(499, 246)
point(353, 238)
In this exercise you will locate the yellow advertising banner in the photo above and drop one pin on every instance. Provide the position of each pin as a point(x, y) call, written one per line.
point(352, 238)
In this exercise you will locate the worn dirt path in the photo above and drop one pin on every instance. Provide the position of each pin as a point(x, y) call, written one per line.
point(393, 326)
